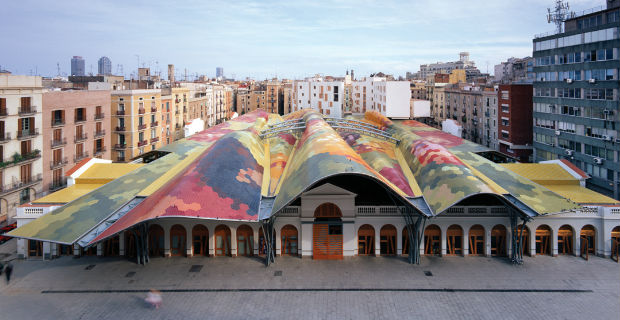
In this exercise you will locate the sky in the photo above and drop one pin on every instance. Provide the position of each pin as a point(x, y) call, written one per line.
point(266, 39)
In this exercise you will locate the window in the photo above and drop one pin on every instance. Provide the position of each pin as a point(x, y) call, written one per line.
point(58, 117)
point(80, 114)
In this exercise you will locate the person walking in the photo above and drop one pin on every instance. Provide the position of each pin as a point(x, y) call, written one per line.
point(154, 298)
point(8, 269)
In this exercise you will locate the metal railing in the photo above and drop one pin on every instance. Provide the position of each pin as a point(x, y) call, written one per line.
point(142, 143)
point(120, 146)
point(58, 184)
point(27, 110)
point(22, 134)
point(14, 186)
point(154, 124)
point(120, 112)
point(99, 151)
point(57, 143)
point(58, 122)
point(99, 116)
point(79, 157)
point(3, 112)
point(5, 137)
point(120, 129)
point(79, 138)
point(17, 158)
point(58, 163)
point(99, 133)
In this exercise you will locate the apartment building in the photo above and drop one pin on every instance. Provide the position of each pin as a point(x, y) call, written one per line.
point(576, 109)
point(135, 119)
point(75, 127)
point(324, 96)
point(273, 95)
point(21, 166)
point(515, 70)
point(167, 114)
point(515, 120)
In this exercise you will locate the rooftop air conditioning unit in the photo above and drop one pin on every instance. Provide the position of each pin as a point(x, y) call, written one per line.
point(569, 80)
point(608, 138)
point(557, 132)
point(598, 160)
point(592, 80)
point(568, 152)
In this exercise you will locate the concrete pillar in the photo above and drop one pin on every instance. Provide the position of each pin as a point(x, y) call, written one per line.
point(399, 241)
point(166, 241)
point(121, 243)
point(532, 240)
point(211, 242)
point(278, 241)
point(422, 244)
point(377, 241)
point(255, 240)
point(509, 242)
point(46, 250)
point(554, 243)
point(21, 248)
point(306, 240)
point(76, 250)
point(233, 241)
point(576, 241)
point(487, 242)
point(465, 241)
point(99, 249)
point(188, 242)
point(54, 250)
point(444, 241)
point(349, 236)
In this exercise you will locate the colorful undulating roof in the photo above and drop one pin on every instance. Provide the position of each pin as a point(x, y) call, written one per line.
point(232, 172)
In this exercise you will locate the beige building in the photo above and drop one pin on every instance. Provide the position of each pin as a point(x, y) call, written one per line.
point(75, 126)
point(135, 121)
point(287, 98)
point(21, 166)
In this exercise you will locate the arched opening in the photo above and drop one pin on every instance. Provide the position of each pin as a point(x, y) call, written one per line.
point(524, 240)
point(245, 240)
point(387, 240)
point(366, 240)
point(177, 240)
point(543, 240)
point(222, 240)
point(200, 240)
point(476, 240)
point(111, 247)
point(565, 240)
point(327, 232)
point(588, 241)
point(455, 240)
point(498, 241)
point(65, 250)
point(35, 248)
point(432, 240)
point(156, 241)
point(289, 239)
point(615, 243)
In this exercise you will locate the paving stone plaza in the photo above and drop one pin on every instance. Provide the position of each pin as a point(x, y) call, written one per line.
point(354, 288)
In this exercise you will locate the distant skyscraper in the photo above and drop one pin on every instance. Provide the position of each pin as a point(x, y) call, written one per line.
point(77, 66)
point(219, 72)
point(171, 73)
point(105, 66)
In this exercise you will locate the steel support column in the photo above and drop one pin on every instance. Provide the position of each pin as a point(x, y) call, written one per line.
point(270, 253)
point(516, 255)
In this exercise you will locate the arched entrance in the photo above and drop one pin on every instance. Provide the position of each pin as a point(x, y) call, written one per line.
point(245, 240)
point(498, 241)
point(288, 236)
point(156, 240)
point(455, 240)
point(615, 243)
point(65, 250)
point(366, 240)
point(543, 240)
point(588, 241)
point(111, 247)
point(387, 238)
point(177, 240)
point(565, 240)
point(35, 248)
point(327, 232)
point(524, 240)
point(200, 240)
point(222, 240)
point(432, 240)
point(476, 240)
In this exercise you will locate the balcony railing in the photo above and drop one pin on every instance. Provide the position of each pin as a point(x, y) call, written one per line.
point(120, 128)
point(154, 124)
point(153, 109)
point(99, 133)
point(142, 143)
point(142, 127)
point(154, 139)
point(58, 122)
point(58, 163)
point(57, 143)
point(58, 184)
point(5, 137)
point(27, 110)
point(82, 137)
point(24, 134)
point(79, 157)
point(99, 151)
point(17, 158)
point(3, 112)
point(7, 188)
point(141, 110)
point(78, 120)
point(99, 116)
point(120, 146)
point(120, 112)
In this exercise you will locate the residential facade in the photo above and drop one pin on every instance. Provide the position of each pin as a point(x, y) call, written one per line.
point(514, 120)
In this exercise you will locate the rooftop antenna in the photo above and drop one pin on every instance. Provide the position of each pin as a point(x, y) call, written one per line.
point(58, 69)
point(558, 15)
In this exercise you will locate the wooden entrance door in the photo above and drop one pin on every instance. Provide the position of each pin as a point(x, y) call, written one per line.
point(245, 241)
point(289, 240)
point(565, 240)
point(65, 250)
point(432, 240)
point(543, 240)
point(327, 232)
point(476, 240)
point(455, 240)
point(615, 243)
point(588, 241)
point(156, 241)
point(177, 240)
point(200, 240)
point(35, 248)
point(498, 241)
point(366, 240)
point(387, 240)
point(222, 241)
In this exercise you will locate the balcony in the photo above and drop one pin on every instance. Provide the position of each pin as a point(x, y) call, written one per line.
point(79, 138)
point(26, 134)
point(58, 122)
point(17, 158)
point(54, 164)
point(58, 143)
point(58, 184)
point(120, 112)
point(120, 159)
point(154, 124)
point(27, 110)
point(17, 185)
point(5, 137)
point(99, 133)
point(154, 139)
point(79, 157)
point(153, 109)
point(99, 116)
point(99, 151)
point(142, 143)
point(120, 129)
point(79, 120)
point(141, 111)
point(120, 146)
point(3, 112)
point(142, 127)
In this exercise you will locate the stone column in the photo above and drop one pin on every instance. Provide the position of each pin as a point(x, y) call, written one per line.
point(554, 243)
point(399, 241)
point(349, 245)
point(255, 241)
point(306, 240)
point(377, 241)
point(465, 241)
point(233, 241)
point(166, 241)
point(487, 242)
point(188, 242)
point(211, 241)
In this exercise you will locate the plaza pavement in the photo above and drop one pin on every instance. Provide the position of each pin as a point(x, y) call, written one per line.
point(564, 287)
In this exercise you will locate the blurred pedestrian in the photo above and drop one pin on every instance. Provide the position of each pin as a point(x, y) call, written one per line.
point(8, 269)
point(154, 298)
point(1, 268)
